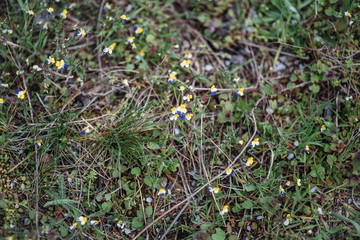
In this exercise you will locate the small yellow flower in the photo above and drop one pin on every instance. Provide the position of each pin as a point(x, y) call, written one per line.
point(189, 116)
point(213, 90)
point(63, 14)
point(123, 17)
point(161, 192)
point(173, 110)
point(189, 56)
point(307, 149)
point(224, 210)
point(241, 142)
point(81, 32)
point(347, 14)
point(139, 30)
point(240, 92)
point(182, 108)
point(250, 161)
point(298, 182)
point(182, 88)
point(94, 222)
point(214, 190)
point(1, 100)
point(50, 60)
point(287, 219)
point(50, 10)
point(20, 94)
point(31, 12)
point(72, 227)
point(39, 143)
point(133, 46)
point(229, 172)
point(323, 128)
point(82, 220)
point(187, 97)
point(255, 142)
point(130, 40)
point(281, 190)
point(185, 63)
point(288, 183)
point(142, 53)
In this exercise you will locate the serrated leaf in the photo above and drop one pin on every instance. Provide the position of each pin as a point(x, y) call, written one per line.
point(247, 204)
point(267, 89)
point(136, 171)
point(137, 223)
point(219, 235)
point(149, 211)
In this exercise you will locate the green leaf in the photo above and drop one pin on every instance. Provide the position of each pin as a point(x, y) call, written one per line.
point(153, 145)
point(267, 89)
point(228, 107)
point(148, 181)
point(137, 223)
point(331, 159)
point(63, 231)
point(3, 204)
point(221, 118)
point(329, 11)
point(314, 78)
point(106, 206)
point(247, 204)
point(150, 38)
point(249, 187)
point(149, 211)
point(136, 171)
point(315, 89)
point(219, 235)
point(108, 197)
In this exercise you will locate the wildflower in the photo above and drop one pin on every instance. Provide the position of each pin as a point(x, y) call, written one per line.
point(125, 82)
point(229, 172)
point(185, 63)
point(22, 187)
point(142, 53)
point(1, 100)
point(72, 5)
point(172, 77)
point(20, 94)
point(161, 192)
point(306, 149)
point(31, 12)
point(130, 40)
point(188, 56)
point(39, 143)
point(214, 190)
point(189, 116)
point(173, 110)
point(249, 162)
point(4, 85)
point(241, 142)
point(138, 30)
point(322, 128)
point(37, 68)
point(174, 117)
point(235, 80)
point(120, 224)
point(287, 220)
point(133, 46)
point(109, 49)
point(224, 210)
point(50, 10)
point(72, 227)
point(298, 182)
point(81, 32)
point(187, 97)
point(213, 90)
point(85, 130)
point(50, 60)
point(182, 88)
point(123, 17)
point(347, 14)
point(255, 142)
point(282, 191)
point(288, 183)
point(82, 220)
point(240, 92)
point(94, 222)
point(46, 25)
point(348, 98)
point(61, 64)
point(63, 14)
point(182, 108)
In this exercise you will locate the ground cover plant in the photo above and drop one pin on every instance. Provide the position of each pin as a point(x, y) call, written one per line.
point(179, 119)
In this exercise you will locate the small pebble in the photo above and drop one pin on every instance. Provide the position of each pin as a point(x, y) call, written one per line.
point(290, 156)
point(320, 211)
point(127, 231)
point(149, 199)
point(259, 217)
point(296, 143)
point(208, 67)
point(269, 111)
point(227, 62)
point(248, 228)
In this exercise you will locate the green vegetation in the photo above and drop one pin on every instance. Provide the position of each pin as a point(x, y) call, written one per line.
point(179, 119)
